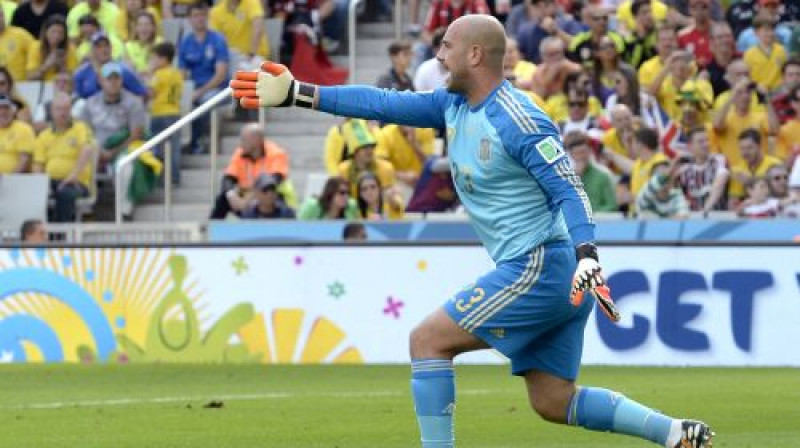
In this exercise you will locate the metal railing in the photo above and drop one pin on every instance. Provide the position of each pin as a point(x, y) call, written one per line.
point(162, 136)
point(351, 38)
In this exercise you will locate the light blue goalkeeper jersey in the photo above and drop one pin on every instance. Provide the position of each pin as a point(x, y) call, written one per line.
point(508, 163)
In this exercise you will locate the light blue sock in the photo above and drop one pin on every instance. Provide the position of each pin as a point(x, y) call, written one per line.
point(434, 391)
point(604, 410)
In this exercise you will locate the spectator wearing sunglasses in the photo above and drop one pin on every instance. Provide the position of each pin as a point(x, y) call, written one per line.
point(583, 46)
point(333, 203)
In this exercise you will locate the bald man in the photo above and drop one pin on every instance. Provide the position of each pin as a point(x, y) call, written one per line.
point(255, 156)
point(528, 208)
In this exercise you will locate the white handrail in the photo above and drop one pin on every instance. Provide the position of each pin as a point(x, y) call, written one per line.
point(351, 38)
point(398, 19)
point(225, 94)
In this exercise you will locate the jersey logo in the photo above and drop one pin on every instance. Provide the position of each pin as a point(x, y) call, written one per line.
point(549, 149)
point(485, 151)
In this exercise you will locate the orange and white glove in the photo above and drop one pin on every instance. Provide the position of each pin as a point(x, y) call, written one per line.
point(272, 86)
point(589, 278)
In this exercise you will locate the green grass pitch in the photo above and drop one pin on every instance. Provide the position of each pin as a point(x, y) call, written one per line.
point(361, 406)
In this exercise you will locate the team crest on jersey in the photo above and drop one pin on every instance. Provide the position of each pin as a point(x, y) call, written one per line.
point(485, 151)
point(549, 149)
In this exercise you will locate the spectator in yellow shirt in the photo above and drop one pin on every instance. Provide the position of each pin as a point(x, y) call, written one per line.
point(126, 20)
point(242, 24)
point(735, 73)
point(166, 89)
point(735, 116)
point(517, 68)
point(15, 43)
point(618, 140)
point(753, 163)
point(645, 147)
point(52, 53)
point(789, 134)
point(105, 11)
point(666, 44)
point(406, 148)
point(139, 47)
point(361, 144)
point(557, 106)
point(90, 27)
point(16, 140)
point(678, 70)
point(766, 59)
point(64, 151)
point(371, 201)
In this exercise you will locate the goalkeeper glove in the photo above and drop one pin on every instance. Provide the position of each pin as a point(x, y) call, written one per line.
point(272, 86)
point(589, 277)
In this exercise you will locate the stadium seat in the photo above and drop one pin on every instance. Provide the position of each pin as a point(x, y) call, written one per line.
point(315, 182)
point(173, 30)
point(22, 196)
point(35, 92)
point(186, 107)
point(274, 29)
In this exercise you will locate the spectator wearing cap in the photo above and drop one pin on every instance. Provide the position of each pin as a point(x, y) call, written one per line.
point(737, 116)
point(597, 181)
point(242, 24)
point(16, 140)
point(267, 202)
point(360, 143)
point(32, 231)
point(768, 10)
point(118, 119)
point(397, 76)
point(64, 151)
point(90, 27)
point(583, 46)
point(204, 58)
point(52, 53)
point(767, 57)
point(87, 77)
point(15, 43)
point(255, 156)
point(31, 15)
point(751, 163)
point(678, 70)
point(666, 44)
point(696, 38)
point(694, 104)
point(105, 11)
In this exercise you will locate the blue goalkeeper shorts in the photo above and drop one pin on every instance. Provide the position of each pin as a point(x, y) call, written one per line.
point(522, 309)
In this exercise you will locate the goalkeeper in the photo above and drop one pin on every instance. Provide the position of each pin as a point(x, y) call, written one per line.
point(530, 211)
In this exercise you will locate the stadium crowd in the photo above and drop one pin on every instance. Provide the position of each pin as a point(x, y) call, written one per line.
point(667, 108)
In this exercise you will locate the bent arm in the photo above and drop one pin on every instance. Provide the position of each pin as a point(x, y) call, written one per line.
point(422, 110)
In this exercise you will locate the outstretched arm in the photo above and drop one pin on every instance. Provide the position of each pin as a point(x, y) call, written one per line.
point(275, 86)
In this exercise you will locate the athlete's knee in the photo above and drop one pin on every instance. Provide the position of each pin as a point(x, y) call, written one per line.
point(422, 344)
point(549, 408)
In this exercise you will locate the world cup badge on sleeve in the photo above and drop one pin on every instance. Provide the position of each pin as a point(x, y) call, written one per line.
point(485, 151)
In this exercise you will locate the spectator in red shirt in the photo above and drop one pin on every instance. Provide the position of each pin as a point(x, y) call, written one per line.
point(442, 13)
point(697, 38)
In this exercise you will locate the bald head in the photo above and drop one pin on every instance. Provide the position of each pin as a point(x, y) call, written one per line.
point(621, 116)
point(486, 32)
point(252, 138)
